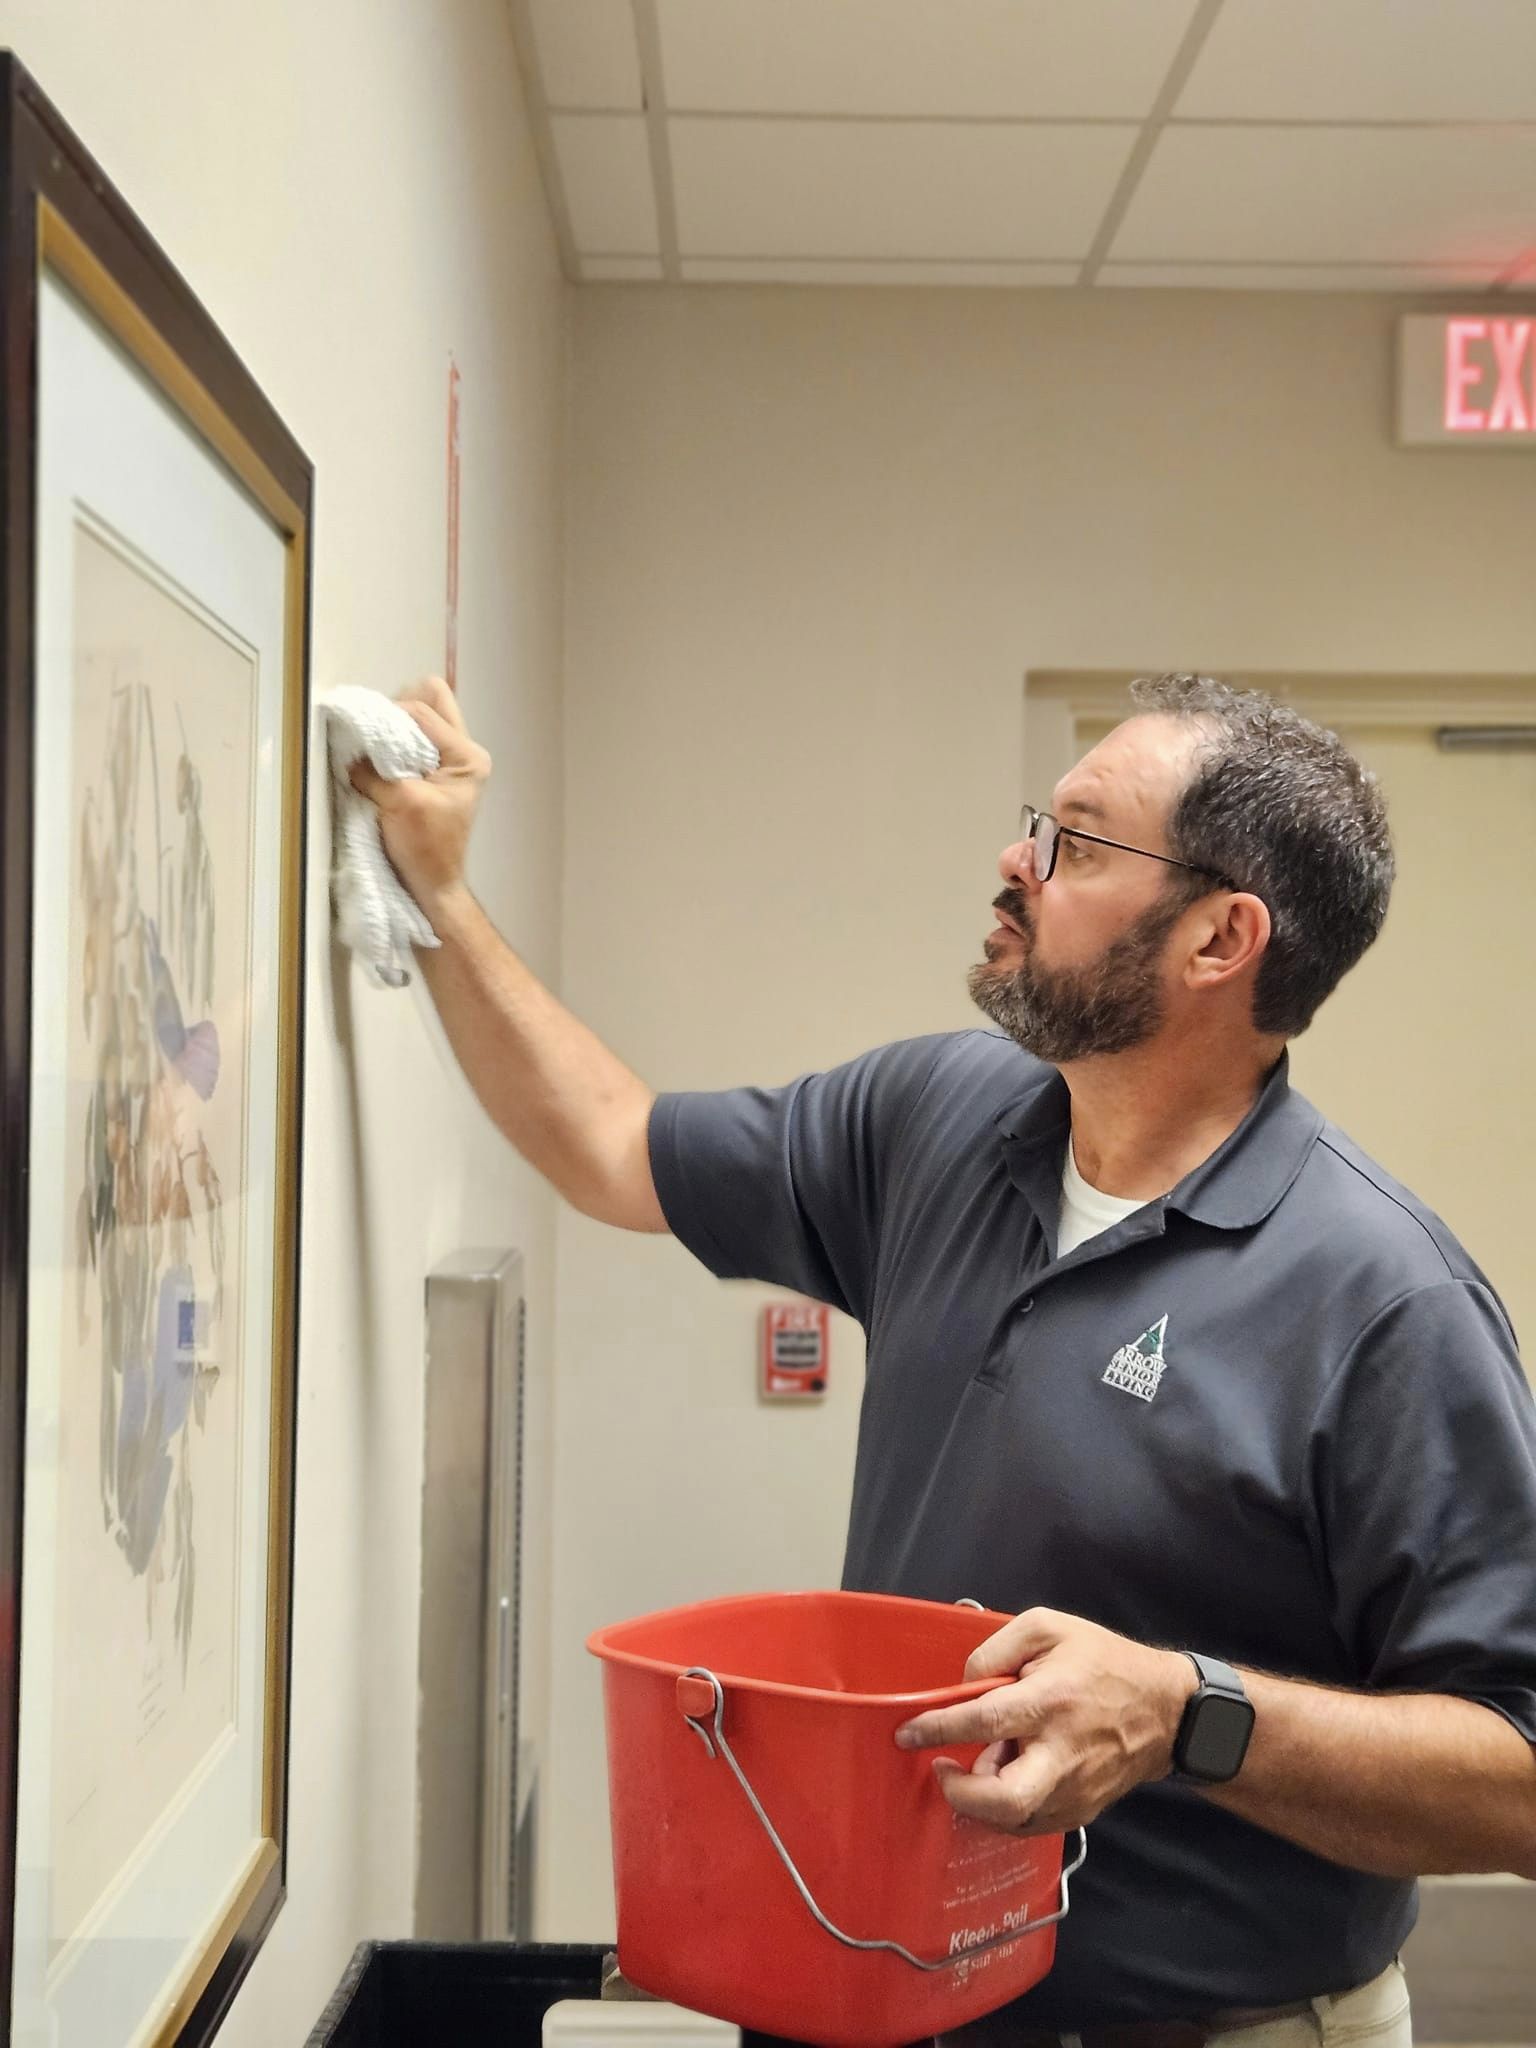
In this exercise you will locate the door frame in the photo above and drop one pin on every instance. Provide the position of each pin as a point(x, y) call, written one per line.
point(1058, 701)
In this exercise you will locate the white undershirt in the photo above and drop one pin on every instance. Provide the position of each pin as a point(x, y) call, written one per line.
point(1086, 1210)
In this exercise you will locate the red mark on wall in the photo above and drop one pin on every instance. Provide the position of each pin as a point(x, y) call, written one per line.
point(451, 664)
point(1490, 377)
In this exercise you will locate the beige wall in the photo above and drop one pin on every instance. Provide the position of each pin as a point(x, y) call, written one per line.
point(816, 539)
point(349, 187)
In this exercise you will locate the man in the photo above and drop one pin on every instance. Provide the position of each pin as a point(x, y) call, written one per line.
point(1156, 1356)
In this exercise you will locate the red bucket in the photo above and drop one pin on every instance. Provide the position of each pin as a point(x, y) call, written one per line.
point(778, 1862)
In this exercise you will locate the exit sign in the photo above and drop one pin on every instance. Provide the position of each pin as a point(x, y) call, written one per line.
point(1467, 380)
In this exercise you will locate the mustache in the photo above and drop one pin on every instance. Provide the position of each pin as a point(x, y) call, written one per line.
point(1015, 904)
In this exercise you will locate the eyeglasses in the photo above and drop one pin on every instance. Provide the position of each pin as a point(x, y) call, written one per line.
point(1045, 834)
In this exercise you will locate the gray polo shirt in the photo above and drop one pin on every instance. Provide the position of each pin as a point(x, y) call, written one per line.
point(1276, 1415)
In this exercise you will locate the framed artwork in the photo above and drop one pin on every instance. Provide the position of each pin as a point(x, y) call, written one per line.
point(153, 622)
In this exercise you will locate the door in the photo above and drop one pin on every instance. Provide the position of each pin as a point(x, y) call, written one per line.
point(1423, 1051)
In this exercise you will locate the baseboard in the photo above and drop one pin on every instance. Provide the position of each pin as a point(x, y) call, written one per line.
point(1471, 1962)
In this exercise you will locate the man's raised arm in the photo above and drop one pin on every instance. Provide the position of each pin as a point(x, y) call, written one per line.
point(574, 1111)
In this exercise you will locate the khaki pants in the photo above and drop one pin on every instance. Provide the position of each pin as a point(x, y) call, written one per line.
point(1374, 2016)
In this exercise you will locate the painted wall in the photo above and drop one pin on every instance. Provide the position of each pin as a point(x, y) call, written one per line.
point(350, 189)
point(816, 538)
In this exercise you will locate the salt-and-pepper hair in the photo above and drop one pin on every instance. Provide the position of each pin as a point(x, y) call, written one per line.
point(1283, 809)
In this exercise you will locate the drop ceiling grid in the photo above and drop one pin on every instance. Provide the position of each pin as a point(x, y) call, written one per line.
point(1335, 195)
point(967, 59)
point(1303, 144)
point(606, 169)
point(968, 192)
point(1372, 60)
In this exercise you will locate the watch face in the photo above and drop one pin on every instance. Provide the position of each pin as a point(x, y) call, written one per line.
point(1216, 1740)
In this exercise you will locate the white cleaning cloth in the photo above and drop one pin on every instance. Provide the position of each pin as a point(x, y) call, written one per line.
point(375, 914)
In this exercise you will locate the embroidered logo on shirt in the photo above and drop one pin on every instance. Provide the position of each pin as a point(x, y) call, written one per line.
point(1137, 1368)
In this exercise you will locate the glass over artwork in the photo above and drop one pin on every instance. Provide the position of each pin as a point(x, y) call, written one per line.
point(147, 1567)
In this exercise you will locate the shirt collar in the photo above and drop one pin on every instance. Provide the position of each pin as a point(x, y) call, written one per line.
point(1237, 1187)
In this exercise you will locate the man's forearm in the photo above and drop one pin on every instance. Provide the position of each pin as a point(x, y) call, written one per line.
point(575, 1112)
point(1399, 1784)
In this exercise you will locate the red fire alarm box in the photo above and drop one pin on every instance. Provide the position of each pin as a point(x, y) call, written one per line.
point(794, 1366)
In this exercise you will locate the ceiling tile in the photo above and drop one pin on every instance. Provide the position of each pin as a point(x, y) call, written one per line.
point(789, 270)
point(620, 269)
point(1302, 277)
point(1321, 195)
point(949, 57)
point(606, 168)
point(588, 56)
point(860, 189)
point(1380, 60)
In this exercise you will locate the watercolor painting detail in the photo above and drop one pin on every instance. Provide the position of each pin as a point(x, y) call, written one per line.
point(165, 705)
point(135, 1213)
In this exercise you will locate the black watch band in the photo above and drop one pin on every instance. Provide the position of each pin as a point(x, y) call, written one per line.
point(1216, 1726)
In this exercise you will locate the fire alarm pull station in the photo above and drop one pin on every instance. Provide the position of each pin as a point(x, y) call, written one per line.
point(795, 1350)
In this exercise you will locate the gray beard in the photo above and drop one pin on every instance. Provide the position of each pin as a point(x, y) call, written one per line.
point(1079, 1013)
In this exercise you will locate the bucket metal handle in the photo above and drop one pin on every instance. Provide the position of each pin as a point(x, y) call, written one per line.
point(693, 1703)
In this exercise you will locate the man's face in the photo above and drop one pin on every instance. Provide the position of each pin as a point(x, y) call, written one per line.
point(1078, 966)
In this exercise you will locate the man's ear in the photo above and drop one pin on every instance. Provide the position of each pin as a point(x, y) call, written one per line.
point(1233, 937)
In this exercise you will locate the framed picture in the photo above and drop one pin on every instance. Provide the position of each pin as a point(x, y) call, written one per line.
point(153, 620)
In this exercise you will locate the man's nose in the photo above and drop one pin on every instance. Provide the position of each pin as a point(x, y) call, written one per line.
point(1016, 865)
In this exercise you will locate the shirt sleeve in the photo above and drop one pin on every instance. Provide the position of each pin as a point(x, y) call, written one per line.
point(1425, 1469)
point(788, 1184)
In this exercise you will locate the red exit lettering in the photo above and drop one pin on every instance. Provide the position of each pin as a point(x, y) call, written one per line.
point(1487, 360)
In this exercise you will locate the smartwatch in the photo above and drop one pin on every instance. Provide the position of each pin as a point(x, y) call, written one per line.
point(1217, 1724)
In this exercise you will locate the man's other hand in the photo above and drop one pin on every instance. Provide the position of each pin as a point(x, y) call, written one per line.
point(1090, 1716)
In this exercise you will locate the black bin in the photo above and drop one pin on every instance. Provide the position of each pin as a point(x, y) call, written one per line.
point(429, 1994)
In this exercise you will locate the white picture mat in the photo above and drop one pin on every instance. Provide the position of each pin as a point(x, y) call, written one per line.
point(111, 446)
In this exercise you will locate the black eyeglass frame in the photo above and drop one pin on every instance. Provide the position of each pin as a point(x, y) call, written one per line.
point(1030, 821)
